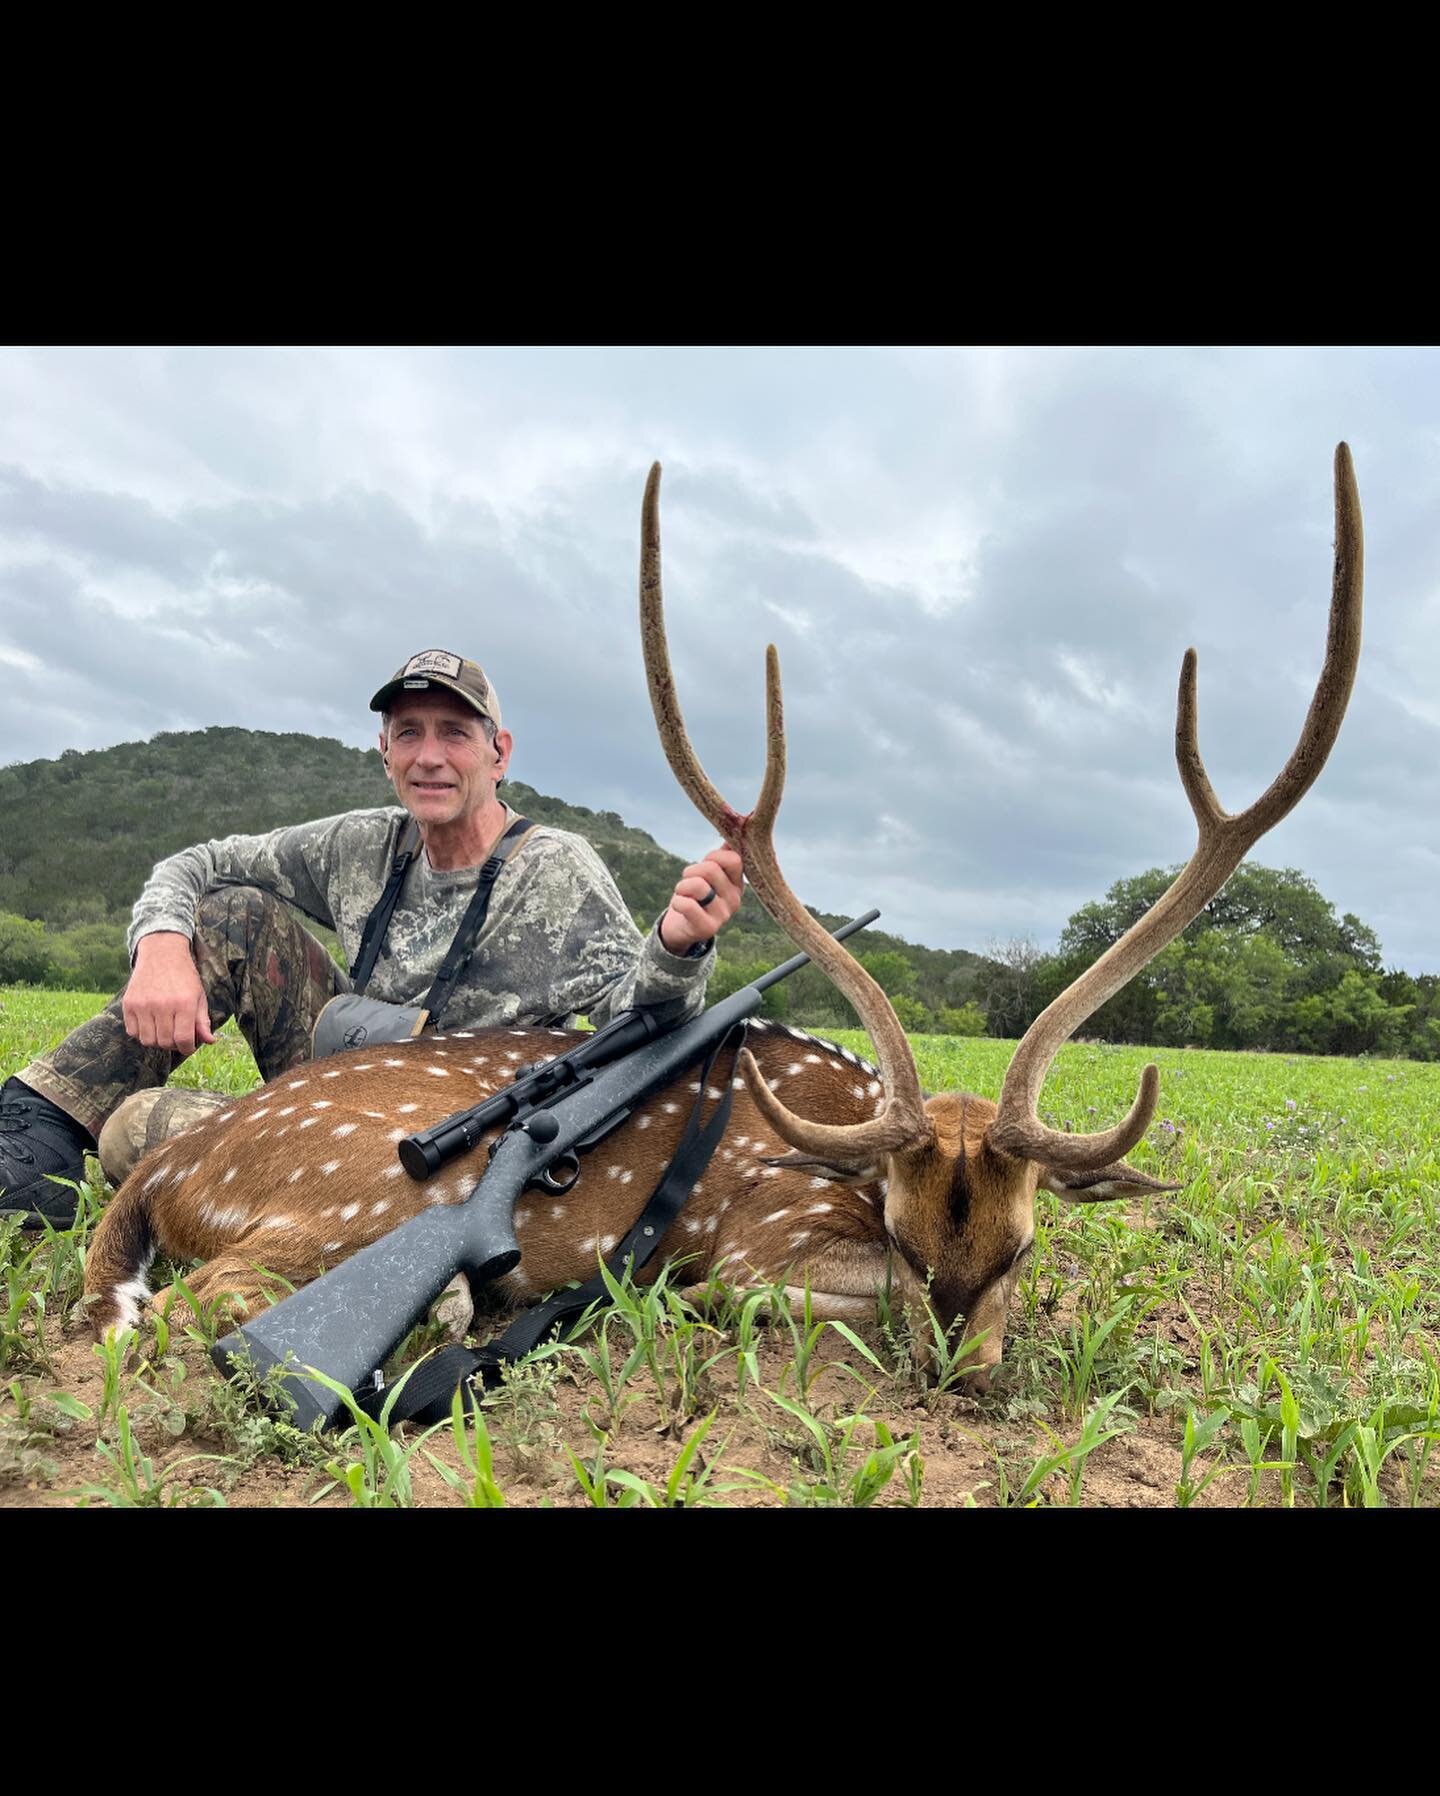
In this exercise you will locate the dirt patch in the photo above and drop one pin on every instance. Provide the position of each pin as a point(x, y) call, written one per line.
point(705, 1415)
point(844, 1440)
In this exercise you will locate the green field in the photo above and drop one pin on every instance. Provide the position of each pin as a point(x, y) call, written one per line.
point(1268, 1335)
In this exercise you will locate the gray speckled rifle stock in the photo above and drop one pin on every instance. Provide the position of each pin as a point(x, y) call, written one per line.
point(347, 1322)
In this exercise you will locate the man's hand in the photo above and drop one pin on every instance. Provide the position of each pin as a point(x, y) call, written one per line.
point(164, 1002)
point(707, 895)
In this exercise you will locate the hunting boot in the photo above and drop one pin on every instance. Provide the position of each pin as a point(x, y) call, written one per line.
point(38, 1144)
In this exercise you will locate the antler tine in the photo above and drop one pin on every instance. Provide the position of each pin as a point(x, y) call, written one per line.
point(684, 762)
point(1327, 707)
point(1223, 843)
point(903, 1121)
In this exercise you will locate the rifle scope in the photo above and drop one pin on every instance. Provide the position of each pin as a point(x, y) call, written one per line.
point(425, 1153)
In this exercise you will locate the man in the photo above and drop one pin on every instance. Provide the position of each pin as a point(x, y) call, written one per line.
point(210, 939)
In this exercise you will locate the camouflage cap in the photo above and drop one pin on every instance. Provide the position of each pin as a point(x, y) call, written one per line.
point(438, 667)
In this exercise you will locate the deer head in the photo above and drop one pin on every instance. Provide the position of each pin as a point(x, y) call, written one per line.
point(961, 1172)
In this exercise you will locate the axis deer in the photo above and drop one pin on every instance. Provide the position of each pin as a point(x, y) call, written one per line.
point(832, 1174)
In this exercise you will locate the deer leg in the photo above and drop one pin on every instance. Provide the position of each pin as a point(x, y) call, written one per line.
point(252, 1276)
point(825, 1306)
point(844, 1279)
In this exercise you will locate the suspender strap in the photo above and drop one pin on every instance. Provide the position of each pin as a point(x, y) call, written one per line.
point(463, 946)
point(430, 1388)
point(378, 921)
point(456, 961)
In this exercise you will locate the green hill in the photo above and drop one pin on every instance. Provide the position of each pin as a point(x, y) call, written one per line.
point(81, 834)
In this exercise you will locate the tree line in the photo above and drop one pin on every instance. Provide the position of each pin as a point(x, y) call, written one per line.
point(1267, 964)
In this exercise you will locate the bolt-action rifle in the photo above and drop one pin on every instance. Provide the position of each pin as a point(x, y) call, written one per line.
point(348, 1321)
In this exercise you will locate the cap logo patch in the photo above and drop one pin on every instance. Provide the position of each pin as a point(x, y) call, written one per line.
point(433, 661)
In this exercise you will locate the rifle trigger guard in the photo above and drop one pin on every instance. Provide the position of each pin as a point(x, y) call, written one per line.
point(567, 1163)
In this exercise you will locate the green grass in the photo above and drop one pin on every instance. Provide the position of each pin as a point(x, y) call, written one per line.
point(1267, 1335)
point(33, 1019)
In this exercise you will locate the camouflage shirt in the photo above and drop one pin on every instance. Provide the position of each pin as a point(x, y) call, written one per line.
point(557, 941)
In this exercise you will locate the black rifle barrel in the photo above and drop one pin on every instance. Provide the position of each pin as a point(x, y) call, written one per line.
point(348, 1321)
point(796, 961)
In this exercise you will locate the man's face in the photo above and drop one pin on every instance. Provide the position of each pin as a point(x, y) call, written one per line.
point(440, 763)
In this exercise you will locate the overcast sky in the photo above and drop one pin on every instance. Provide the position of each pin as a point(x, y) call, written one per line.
point(981, 568)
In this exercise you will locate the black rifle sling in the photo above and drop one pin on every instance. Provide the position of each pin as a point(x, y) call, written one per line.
point(430, 1390)
point(458, 958)
point(379, 919)
point(463, 946)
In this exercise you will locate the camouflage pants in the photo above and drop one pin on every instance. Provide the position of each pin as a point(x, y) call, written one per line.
point(256, 963)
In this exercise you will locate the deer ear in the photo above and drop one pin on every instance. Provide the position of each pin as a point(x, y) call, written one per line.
point(839, 1171)
point(1102, 1185)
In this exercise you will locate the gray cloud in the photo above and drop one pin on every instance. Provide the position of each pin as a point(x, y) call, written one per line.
point(981, 570)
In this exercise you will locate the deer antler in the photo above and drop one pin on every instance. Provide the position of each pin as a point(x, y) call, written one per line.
point(903, 1122)
point(1223, 843)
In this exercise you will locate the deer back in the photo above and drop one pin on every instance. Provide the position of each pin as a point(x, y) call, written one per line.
point(302, 1172)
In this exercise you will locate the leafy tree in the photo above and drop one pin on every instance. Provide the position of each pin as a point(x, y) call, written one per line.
point(891, 971)
point(1420, 996)
point(1223, 990)
point(1281, 903)
point(964, 1019)
point(730, 975)
point(816, 1003)
point(1266, 964)
point(1097, 926)
point(24, 951)
point(1351, 1018)
point(69, 913)
point(1360, 943)
point(912, 1014)
point(92, 958)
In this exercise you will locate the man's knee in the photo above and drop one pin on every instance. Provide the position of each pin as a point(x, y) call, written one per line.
point(258, 964)
point(145, 1120)
point(236, 912)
